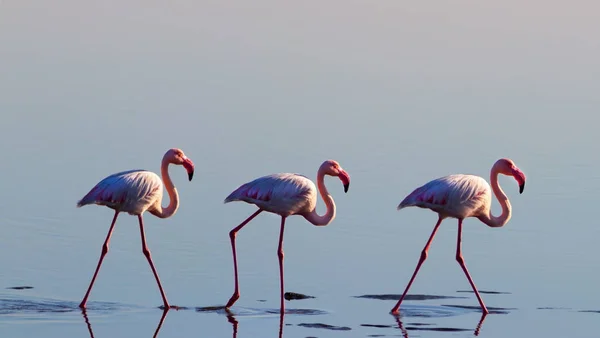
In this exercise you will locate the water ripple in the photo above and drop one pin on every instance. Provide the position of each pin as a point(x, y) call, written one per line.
point(408, 297)
point(256, 312)
point(24, 306)
point(325, 326)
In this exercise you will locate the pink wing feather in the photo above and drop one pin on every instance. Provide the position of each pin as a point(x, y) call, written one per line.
point(131, 191)
point(280, 193)
point(457, 195)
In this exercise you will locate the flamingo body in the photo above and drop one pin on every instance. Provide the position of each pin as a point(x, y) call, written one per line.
point(132, 191)
point(461, 196)
point(284, 194)
point(458, 196)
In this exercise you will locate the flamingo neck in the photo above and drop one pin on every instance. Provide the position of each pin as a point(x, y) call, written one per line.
point(171, 209)
point(497, 221)
point(329, 215)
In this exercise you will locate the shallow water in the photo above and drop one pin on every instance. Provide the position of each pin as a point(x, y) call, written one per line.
point(27, 317)
point(399, 93)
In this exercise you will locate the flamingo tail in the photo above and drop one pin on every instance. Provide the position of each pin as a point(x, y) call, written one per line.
point(87, 199)
point(411, 200)
point(234, 196)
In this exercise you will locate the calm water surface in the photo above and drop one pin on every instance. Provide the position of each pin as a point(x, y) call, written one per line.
point(399, 93)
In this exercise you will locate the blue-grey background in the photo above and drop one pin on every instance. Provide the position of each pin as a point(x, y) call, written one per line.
point(398, 92)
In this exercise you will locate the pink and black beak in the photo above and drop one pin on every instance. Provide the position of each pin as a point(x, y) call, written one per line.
point(345, 178)
point(520, 177)
point(189, 167)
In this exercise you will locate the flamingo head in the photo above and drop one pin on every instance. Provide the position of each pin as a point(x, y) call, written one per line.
point(176, 156)
point(332, 168)
point(507, 167)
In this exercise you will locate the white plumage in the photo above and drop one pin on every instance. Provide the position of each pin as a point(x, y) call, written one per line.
point(284, 194)
point(132, 191)
point(458, 196)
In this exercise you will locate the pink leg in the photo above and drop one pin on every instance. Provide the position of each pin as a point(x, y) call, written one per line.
point(232, 235)
point(104, 252)
point(280, 255)
point(461, 261)
point(146, 252)
point(421, 260)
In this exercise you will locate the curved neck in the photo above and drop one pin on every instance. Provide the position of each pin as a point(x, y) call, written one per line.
point(313, 217)
point(497, 221)
point(169, 210)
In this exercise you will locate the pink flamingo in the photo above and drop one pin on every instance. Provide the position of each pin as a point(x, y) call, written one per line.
point(134, 192)
point(462, 196)
point(286, 195)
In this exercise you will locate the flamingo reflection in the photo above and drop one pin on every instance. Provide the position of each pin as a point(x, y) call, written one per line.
point(160, 323)
point(234, 323)
point(405, 332)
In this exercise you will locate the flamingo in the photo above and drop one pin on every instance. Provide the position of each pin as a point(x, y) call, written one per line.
point(134, 192)
point(462, 196)
point(286, 194)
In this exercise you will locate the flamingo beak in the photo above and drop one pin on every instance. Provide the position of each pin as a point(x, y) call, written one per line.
point(520, 177)
point(189, 167)
point(345, 178)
